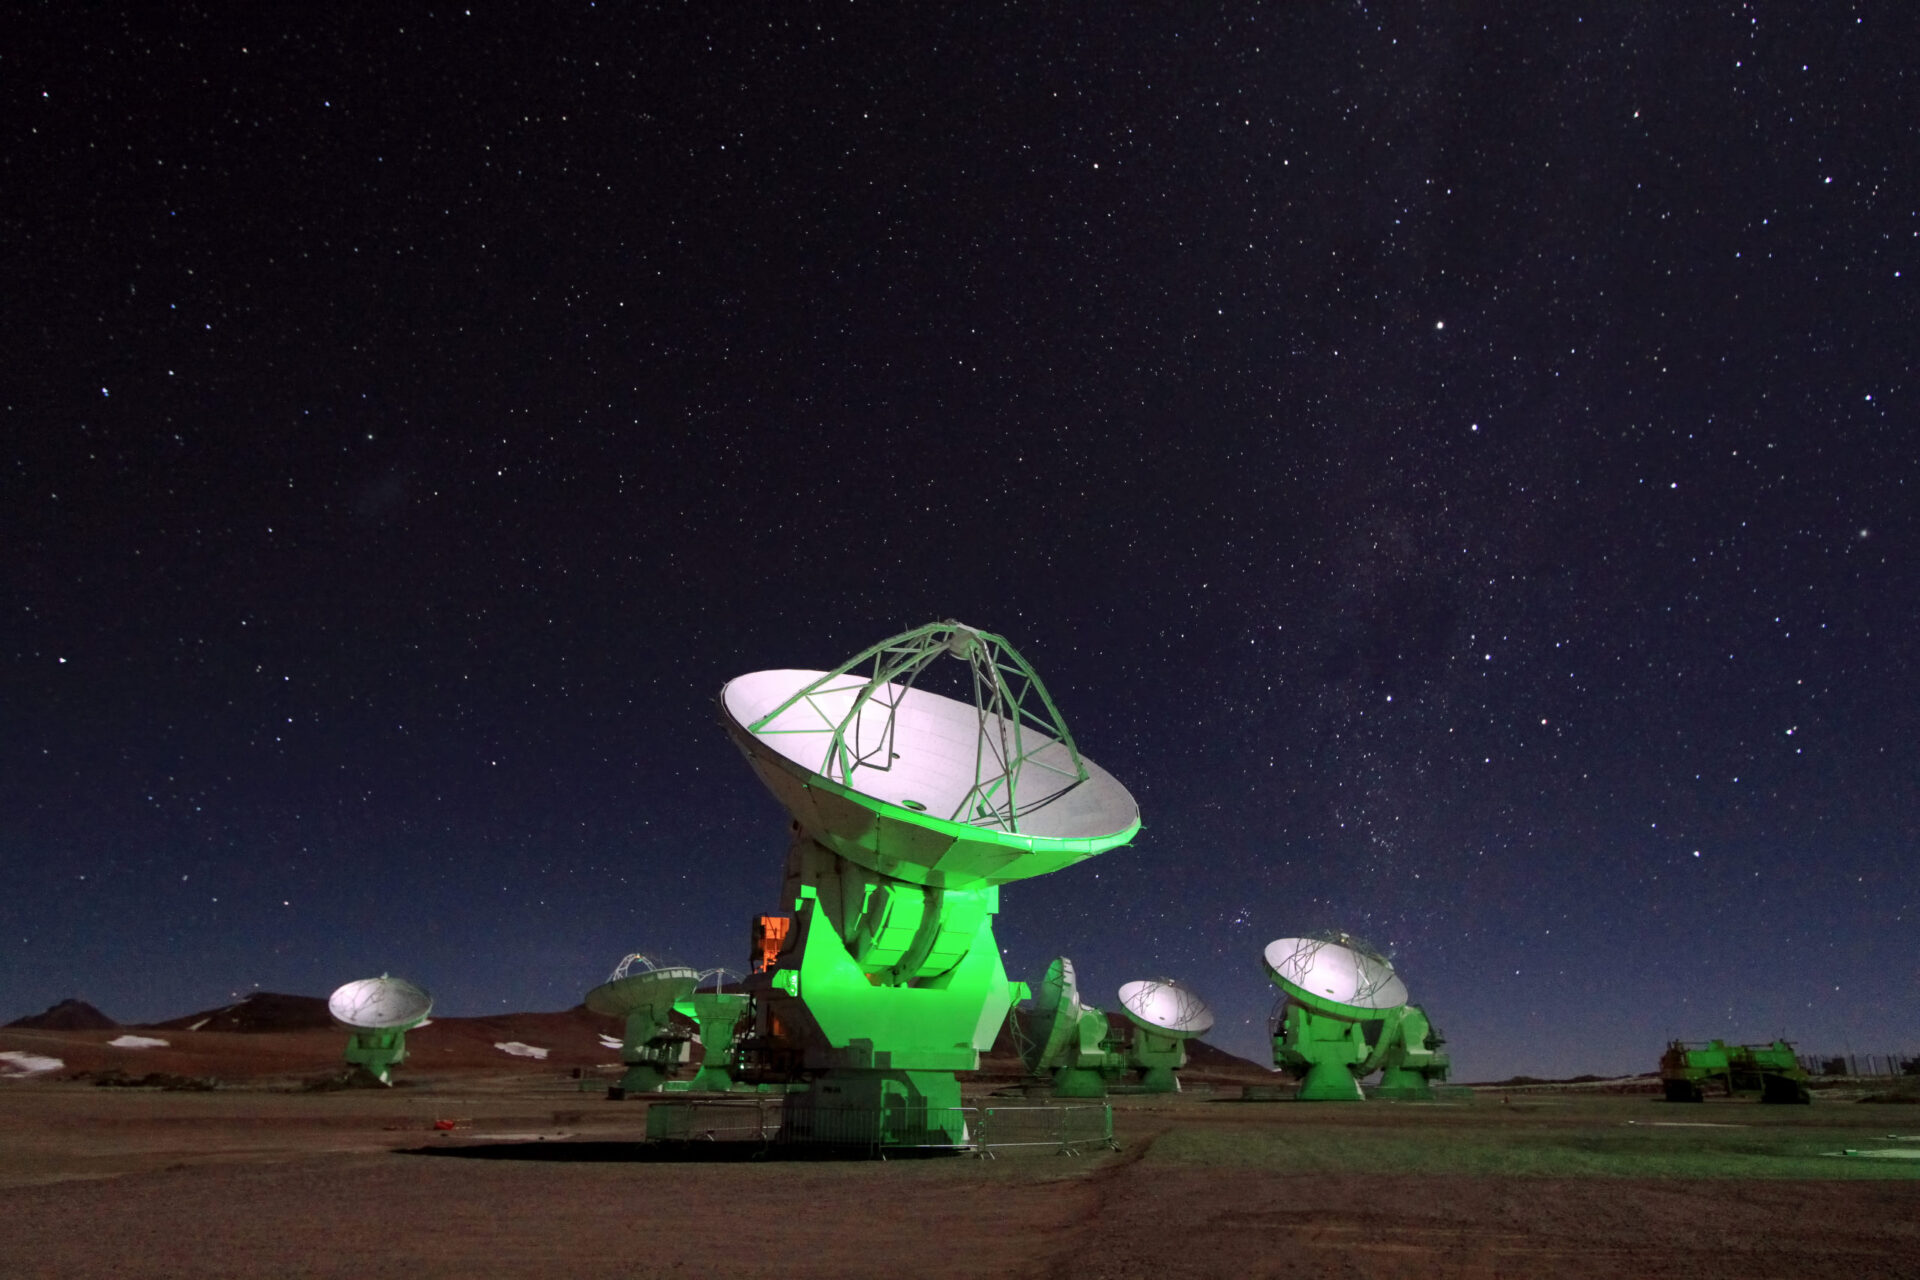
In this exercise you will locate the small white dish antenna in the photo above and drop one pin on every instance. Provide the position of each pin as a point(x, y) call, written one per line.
point(1337, 976)
point(1165, 1006)
point(380, 1004)
point(637, 985)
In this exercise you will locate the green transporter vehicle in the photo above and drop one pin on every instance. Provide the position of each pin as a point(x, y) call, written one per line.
point(1769, 1072)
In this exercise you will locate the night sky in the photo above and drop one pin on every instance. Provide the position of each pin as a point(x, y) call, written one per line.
point(1455, 463)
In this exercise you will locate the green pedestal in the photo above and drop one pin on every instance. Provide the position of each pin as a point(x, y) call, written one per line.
point(1159, 1080)
point(1409, 1055)
point(1330, 1082)
point(885, 1042)
point(1402, 1085)
point(877, 1109)
point(1079, 1082)
point(718, 1013)
point(1157, 1057)
point(710, 1080)
point(650, 1062)
point(643, 1077)
point(1326, 1049)
point(377, 1052)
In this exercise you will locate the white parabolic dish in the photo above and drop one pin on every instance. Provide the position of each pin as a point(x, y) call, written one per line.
point(1060, 989)
point(1335, 978)
point(1057, 1010)
point(908, 814)
point(379, 1004)
point(654, 991)
point(1161, 1004)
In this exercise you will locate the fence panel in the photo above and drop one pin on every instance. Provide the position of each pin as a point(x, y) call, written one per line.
point(732, 1120)
point(1067, 1130)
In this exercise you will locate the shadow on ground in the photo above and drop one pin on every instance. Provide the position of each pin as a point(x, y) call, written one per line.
point(667, 1153)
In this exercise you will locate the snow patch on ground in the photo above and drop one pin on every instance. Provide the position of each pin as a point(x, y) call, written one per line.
point(136, 1042)
point(16, 1063)
point(519, 1050)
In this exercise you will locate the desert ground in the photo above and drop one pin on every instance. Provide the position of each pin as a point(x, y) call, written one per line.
point(484, 1163)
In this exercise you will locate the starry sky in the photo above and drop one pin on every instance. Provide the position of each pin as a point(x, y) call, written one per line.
point(1455, 463)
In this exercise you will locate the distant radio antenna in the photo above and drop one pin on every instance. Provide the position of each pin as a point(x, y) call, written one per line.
point(1165, 1015)
point(1064, 1039)
point(1346, 1016)
point(379, 1011)
point(644, 996)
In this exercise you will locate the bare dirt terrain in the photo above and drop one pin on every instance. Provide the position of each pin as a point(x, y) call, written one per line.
point(541, 1176)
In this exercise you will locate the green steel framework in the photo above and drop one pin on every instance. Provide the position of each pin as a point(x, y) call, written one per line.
point(1003, 684)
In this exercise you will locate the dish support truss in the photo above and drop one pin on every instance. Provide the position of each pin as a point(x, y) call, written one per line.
point(1376, 977)
point(1008, 697)
point(631, 964)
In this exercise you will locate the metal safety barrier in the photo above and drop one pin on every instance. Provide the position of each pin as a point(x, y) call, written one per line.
point(1065, 1130)
point(718, 1120)
point(894, 1128)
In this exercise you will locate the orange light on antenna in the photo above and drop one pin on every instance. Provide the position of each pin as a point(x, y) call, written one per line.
point(769, 936)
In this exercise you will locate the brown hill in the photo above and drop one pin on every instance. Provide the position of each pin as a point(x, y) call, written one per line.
point(68, 1015)
point(288, 1034)
point(1202, 1056)
point(443, 1046)
point(570, 1037)
point(257, 1012)
point(1203, 1060)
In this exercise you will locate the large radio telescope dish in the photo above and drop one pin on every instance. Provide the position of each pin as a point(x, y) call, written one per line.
point(1163, 1005)
point(380, 1004)
point(924, 787)
point(1336, 976)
